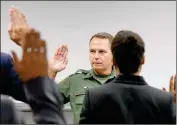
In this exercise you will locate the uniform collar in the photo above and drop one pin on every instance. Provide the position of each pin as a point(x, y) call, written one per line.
point(91, 73)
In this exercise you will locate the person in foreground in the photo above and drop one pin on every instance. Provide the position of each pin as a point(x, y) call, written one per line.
point(40, 91)
point(128, 99)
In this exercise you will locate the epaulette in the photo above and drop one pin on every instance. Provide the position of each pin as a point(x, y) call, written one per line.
point(81, 71)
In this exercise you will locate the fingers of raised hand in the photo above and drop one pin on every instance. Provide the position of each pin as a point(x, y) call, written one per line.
point(16, 62)
point(58, 51)
point(33, 45)
point(65, 61)
point(175, 81)
point(31, 39)
point(63, 50)
point(164, 89)
point(171, 84)
point(17, 18)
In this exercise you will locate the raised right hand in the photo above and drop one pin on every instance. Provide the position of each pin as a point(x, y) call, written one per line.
point(59, 60)
point(172, 86)
point(18, 24)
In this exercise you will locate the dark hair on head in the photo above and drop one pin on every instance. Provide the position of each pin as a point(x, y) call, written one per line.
point(128, 49)
point(103, 35)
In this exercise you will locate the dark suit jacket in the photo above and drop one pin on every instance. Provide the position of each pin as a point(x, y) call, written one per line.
point(9, 114)
point(9, 80)
point(127, 100)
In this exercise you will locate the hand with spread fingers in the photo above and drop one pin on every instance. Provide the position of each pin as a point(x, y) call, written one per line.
point(172, 86)
point(34, 60)
point(59, 61)
point(17, 25)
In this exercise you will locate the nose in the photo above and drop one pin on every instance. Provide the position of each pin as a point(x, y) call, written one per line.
point(96, 55)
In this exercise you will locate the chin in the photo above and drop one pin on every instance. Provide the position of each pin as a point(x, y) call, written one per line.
point(97, 68)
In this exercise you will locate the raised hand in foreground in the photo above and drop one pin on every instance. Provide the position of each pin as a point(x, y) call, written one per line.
point(34, 60)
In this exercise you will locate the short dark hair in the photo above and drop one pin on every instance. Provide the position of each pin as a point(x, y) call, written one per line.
point(103, 35)
point(128, 49)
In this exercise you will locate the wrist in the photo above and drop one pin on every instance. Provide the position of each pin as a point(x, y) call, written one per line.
point(52, 73)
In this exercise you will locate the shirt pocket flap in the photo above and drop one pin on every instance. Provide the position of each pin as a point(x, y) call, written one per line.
point(79, 97)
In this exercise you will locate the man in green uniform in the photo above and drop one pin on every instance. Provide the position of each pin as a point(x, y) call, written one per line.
point(73, 87)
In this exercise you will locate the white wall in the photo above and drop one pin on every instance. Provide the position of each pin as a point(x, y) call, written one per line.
point(73, 23)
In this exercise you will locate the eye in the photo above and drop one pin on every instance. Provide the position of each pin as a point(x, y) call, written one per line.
point(92, 51)
point(102, 52)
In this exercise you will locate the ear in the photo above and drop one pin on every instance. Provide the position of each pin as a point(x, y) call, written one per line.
point(114, 64)
point(117, 70)
point(143, 60)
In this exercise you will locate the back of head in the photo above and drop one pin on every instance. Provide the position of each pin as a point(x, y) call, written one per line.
point(128, 50)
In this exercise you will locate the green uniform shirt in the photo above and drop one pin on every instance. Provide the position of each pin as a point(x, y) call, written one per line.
point(74, 86)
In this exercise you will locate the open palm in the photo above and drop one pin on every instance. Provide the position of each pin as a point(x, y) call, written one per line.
point(172, 86)
point(17, 25)
point(59, 61)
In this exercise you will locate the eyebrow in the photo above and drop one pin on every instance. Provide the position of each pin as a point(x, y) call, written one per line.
point(96, 49)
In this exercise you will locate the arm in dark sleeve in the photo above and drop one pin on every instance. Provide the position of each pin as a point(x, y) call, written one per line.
point(173, 110)
point(170, 109)
point(174, 113)
point(45, 101)
point(85, 112)
point(9, 113)
point(10, 83)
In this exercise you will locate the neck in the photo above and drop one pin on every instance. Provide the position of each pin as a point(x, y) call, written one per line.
point(138, 72)
point(103, 73)
point(135, 74)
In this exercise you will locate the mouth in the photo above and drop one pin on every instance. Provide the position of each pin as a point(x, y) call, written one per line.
point(97, 63)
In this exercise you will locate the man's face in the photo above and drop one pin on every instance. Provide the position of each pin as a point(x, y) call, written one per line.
point(100, 54)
